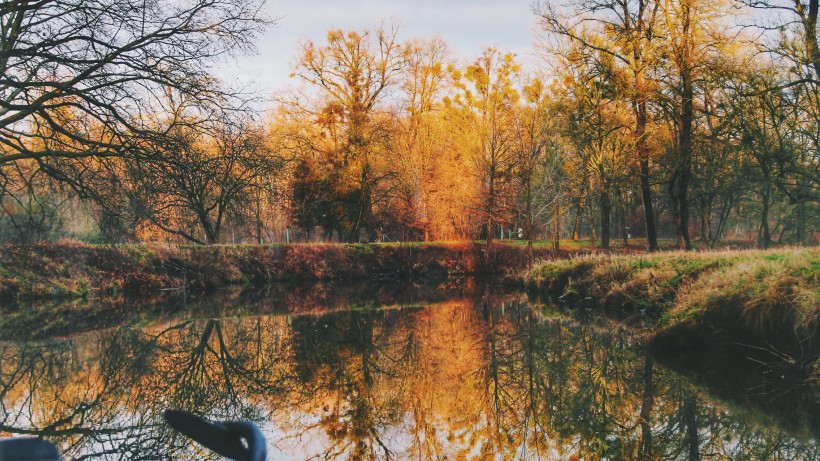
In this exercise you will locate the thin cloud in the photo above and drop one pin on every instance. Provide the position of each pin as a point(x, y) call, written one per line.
point(467, 26)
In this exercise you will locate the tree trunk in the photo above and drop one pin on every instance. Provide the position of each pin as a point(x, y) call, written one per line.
point(258, 220)
point(764, 235)
point(556, 236)
point(724, 216)
point(690, 406)
point(530, 253)
point(211, 233)
point(490, 207)
point(528, 223)
point(624, 231)
point(685, 152)
point(679, 186)
point(643, 165)
point(606, 211)
point(591, 227)
point(576, 228)
point(800, 225)
point(705, 219)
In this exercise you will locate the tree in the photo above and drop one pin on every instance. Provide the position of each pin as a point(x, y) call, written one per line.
point(31, 205)
point(796, 48)
point(67, 65)
point(623, 32)
point(351, 74)
point(597, 135)
point(420, 156)
point(798, 17)
point(693, 40)
point(198, 181)
point(680, 20)
point(606, 162)
point(537, 161)
point(486, 99)
point(766, 138)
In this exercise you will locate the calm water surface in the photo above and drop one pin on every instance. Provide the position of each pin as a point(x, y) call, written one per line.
point(472, 376)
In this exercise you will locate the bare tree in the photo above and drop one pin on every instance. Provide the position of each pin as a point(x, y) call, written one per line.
point(84, 78)
point(195, 182)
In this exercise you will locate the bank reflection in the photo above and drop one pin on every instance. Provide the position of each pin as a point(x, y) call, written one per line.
point(485, 377)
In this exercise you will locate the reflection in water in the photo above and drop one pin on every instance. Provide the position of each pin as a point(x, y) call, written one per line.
point(485, 378)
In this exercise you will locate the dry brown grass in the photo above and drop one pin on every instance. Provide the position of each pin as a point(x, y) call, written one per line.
point(71, 270)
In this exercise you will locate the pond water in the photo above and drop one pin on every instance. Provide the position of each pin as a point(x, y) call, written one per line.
point(471, 374)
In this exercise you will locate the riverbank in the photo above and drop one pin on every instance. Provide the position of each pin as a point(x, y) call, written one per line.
point(71, 270)
point(761, 304)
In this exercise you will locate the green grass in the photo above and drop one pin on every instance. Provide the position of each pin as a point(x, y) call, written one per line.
point(771, 295)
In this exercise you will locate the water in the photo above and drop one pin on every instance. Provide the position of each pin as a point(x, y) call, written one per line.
point(461, 374)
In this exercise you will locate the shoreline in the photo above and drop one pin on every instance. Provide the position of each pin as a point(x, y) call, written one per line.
point(67, 271)
point(692, 303)
point(697, 307)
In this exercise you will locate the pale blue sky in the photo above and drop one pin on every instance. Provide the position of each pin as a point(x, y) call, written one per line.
point(467, 26)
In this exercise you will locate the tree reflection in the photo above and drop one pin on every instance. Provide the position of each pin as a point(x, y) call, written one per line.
point(486, 377)
point(103, 394)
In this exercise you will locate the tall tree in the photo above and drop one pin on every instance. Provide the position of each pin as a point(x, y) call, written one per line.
point(536, 160)
point(423, 82)
point(679, 23)
point(693, 43)
point(624, 31)
point(351, 73)
point(487, 98)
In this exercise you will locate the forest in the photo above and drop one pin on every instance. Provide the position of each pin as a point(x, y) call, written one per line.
point(689, 120)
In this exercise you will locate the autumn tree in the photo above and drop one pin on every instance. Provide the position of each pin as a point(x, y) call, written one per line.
point(693, 44)
point(486, 99)
point(537, 162)
point(421, 154)
point(599, 133)
point(351, 74)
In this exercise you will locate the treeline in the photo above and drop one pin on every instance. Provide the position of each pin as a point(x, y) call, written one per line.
point(646, 118)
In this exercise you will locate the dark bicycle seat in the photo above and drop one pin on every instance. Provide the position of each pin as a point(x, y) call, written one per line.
point(239, 440)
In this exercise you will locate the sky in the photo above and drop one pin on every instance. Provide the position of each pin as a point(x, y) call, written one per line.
point(467, 26)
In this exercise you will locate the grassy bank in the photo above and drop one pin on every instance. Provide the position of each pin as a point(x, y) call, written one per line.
point(699, 302)
point(67, 270)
